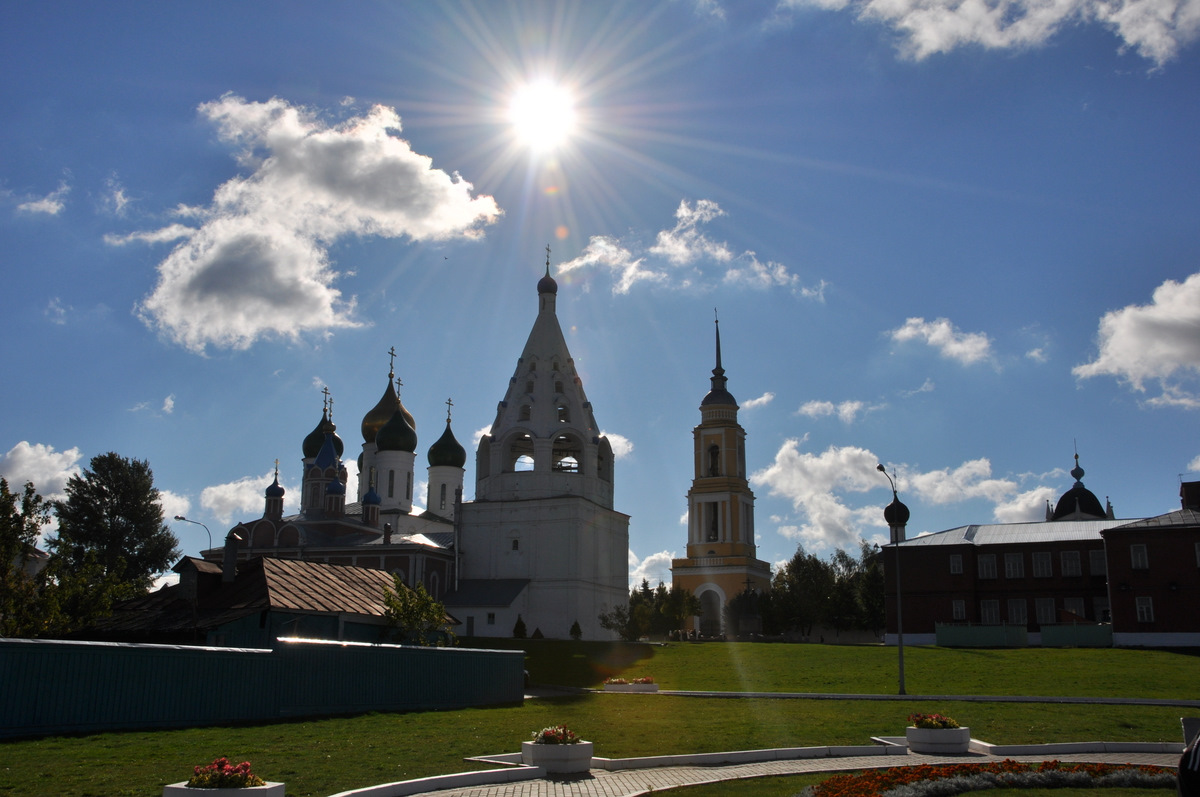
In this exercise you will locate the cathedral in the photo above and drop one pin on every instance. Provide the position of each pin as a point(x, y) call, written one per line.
point(540, 544)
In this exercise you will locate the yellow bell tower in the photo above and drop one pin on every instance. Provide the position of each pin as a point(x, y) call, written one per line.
point(721, 562)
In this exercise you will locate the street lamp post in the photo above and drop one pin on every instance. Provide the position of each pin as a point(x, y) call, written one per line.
point(896, 514)
point(198, 523)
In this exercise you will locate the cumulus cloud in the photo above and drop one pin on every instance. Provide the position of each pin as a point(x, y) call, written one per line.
point(1158, 342)
point(761, 401)
point(1156, 29)
point(846, 411)
point(683, 257)
point(168, 405)
point(820, 488)
point(965, 347)
point(622, 446)
point(173, 503)
point(258, 265)
point(243, 498)
point(51, 204)
point(1194, 465)
point(115, 199)
point(56, 312)
point(654, 568)
point(48, 469)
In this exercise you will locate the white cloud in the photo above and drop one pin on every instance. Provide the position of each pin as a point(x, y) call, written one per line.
point(56, 312)
point(654, 568)
point(48, 469)
point(1194, 465)
point(1038, 355)
point(685, 257)
point(965, 347)
point(972, 479)
point(761, 401)
point(168, 405)
point(242, 499)
point(258, 266)
point(1157, 341)
point(1027, 506)
point(115, 199)
point(926, 387)
point(51, 204)
point(172, 232)
point(686, 243)
point(173, 504)
point(622, 446)
point(846, 411)
point(479, 433)
point(1156, 29)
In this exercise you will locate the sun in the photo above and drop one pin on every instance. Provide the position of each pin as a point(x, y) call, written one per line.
point(542, 114)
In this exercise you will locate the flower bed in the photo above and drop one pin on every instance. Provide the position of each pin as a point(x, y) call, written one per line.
point(557, 749)
point(630, 685)
point(222, 777)
point(950, 779)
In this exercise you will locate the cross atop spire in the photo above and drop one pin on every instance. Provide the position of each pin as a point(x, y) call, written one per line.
point(391, 362)
point(547, 260)
point(326, 402)
point(449, 404)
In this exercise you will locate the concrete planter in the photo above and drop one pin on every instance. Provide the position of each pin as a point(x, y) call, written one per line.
point(272, 789)
point(631, 687)
point(938, 741)
point(558, 758)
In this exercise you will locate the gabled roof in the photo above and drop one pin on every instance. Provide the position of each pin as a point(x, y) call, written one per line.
point(499, 592)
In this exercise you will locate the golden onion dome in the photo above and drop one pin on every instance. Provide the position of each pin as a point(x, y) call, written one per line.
point(382, 412)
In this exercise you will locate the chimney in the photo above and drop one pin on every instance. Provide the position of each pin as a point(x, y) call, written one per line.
point(229, 557)
point(387, 533)
point(1189, 495)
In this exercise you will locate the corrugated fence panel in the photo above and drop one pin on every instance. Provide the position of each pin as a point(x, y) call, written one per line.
point(52, 686)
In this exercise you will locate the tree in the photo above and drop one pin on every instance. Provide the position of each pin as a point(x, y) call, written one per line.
point(22, 599)
point(576, 631)
point(414, 617)
point(871, 590)
point(650, 611)
point(113, 512)
point(801, 590)
point(519, 631)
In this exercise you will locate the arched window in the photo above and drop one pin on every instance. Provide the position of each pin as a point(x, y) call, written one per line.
point(714, 460)
point(568, 454)
point(442, 502)
point(519, 456)
point(558, 387)
point(564, 414)
point(525, 410)
point(529, 386)
point(391, 483)
point(408, 488)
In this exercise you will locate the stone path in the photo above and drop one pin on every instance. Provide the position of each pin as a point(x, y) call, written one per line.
point(635, 782)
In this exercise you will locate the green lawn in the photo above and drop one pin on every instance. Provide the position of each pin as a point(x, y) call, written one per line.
point(321, 757)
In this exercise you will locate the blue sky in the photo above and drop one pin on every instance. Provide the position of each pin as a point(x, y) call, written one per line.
point(956, 238)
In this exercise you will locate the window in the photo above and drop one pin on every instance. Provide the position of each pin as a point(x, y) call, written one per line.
point(955, 564)
point(1014, 565)
point(1069, 560)
point(1017, 612)
point(1074, 606)
point(1140, 560)
point(391, 483)
point(958, 610)
point(1100, 609)
point(442, 500)
point(558, 387)
point(564, 414)
point(1096, 563)
point(1045, 611)
point(989, 612)
point(525, 411)
point(516, 545)
point(1145, 610)
point(987, 566)
point(491, 618)
point(529, 387)
point(408, 488)
point(1041, 566)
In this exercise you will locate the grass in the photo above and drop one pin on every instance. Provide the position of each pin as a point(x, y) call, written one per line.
point(322, 757)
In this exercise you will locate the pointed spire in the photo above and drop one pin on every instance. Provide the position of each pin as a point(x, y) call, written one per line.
point(718, 394)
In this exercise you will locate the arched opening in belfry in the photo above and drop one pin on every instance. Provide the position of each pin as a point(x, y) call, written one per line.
point(520, 454)
point(568, 454)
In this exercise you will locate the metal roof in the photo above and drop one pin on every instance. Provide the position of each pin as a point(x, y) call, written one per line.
point(1017, 533)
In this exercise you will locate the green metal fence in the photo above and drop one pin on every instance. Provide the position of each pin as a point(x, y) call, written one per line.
point(54, 687)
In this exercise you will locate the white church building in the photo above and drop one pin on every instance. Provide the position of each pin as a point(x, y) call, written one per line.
point(540, 541)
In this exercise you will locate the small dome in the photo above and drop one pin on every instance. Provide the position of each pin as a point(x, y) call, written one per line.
point(372, 498)
point(547, 284)
point(447, 451)
point(275, 490)
point(335, 487)
point(381, 413)
point(718, 396)
point(328, 456)
point(316, 438)
point(1079, 500)
point(896, 513)
point(397, 434)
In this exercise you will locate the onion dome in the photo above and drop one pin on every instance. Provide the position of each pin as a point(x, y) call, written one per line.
point(372, 498)
point(547, 284)
point(328, 456)
point(316, 438)
point(717, 394)
point(381, 413)
point(1079, 500)
point(896, 513)
point(447, 450)
point(275, 490)
point(335, 487)
point(397, 434)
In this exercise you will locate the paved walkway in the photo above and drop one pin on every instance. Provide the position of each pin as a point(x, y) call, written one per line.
point(637, 782)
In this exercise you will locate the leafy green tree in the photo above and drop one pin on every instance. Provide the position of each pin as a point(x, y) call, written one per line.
point(801, 590)
point(650, 612)
point(22, 598)
point(619, 621)
point(113, 512)
point(871, 590)
point(415, 618)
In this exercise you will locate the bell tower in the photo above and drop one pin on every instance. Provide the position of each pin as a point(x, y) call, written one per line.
point(721, 558)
